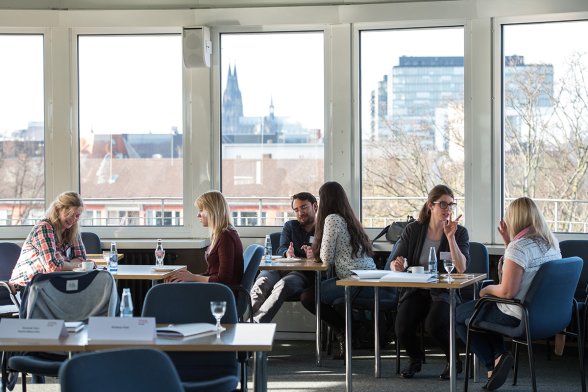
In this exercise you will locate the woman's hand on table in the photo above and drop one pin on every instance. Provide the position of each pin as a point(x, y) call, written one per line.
point(398, 264)
point(181, 275)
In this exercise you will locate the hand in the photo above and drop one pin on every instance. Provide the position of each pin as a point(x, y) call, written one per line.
point(503, 230)
point(181, 275)
point(398, 264)
point(450, 226)
point(308, 250)
point(290, 251)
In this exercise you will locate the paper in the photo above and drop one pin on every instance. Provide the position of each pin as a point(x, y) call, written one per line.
point(369, 274)
point(183, 330)
point(74, 326)
point(406, 277)
point(165, 268)
point(115, 329)
point(287, 260)
point(23, 329)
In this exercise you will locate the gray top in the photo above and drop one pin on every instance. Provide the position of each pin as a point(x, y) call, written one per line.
point(424, 260)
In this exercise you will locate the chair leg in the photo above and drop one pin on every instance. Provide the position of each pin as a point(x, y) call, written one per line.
point(532, 365)
point(467, 362)
point(244, 376)
point(397, 356)
point(516, 363)
point(24, 381)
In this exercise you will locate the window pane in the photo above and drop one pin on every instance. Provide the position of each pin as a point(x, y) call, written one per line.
point(22, 129)
point(272, 122)
point(412, 85)
point(131, 129)
point(545, 119)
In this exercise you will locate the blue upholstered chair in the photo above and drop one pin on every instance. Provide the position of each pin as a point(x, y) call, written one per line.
point(251, 260)
point(189, 302)
point(9, 253)
point(479, 264)
point(139, 369)
point(91, 242)
point(548, 308)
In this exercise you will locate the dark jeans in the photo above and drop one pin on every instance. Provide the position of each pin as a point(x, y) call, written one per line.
point(487, 346)
point(416, 309)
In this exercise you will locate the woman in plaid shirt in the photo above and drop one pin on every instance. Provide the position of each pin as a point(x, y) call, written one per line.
point(55, 243)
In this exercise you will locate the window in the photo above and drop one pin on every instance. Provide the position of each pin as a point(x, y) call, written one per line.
point(22, 129)
point(272, 122)
point(131, 127)
point(412, 116)
point(545, 119)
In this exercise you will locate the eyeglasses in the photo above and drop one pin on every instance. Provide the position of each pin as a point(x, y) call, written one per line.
point(444, 205)
point(302, 208)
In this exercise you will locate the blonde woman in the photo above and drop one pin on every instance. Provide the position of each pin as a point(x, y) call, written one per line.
point(224, 256)
point(529, 244)
point(55, 243)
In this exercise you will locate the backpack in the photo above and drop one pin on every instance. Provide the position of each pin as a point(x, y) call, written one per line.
point(394, 230)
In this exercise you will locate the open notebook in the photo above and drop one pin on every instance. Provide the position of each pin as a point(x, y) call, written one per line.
point(183, 330)
point(392, 276)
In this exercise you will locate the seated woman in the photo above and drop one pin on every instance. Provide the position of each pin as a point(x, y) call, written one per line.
point(54, 243)
point(340, 240)
point(529, 243)
point(434, 227)
point(224, 255)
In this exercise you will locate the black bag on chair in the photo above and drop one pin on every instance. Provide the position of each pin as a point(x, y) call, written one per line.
point(394, 230)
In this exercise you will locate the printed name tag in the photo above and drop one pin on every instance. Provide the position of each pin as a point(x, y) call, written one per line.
point(135, 329)
point(32, 329)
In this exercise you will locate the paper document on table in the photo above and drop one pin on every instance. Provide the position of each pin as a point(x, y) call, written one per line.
point(369, 274)
point(408, 277)
point(183, 330)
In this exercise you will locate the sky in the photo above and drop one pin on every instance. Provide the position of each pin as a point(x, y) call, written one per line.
point(284, 67)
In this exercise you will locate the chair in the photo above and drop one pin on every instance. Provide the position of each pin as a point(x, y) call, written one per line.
point(275, 239)
point(251, 260)
point(91, 242)
point(9, 303)
point(188, 302)
point(51, 297)
point(548, 307)
point(142, 369)
point(480, 264)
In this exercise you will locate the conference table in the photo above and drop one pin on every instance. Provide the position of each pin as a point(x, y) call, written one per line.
point(296, 264)
point(256, 338)
point(459, 281)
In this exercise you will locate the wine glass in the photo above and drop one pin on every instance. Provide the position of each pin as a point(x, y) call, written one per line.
point(218, 309)
point(448, 265)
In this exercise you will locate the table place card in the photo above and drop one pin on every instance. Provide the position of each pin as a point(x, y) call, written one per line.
point(32, 329)
point(115, 329)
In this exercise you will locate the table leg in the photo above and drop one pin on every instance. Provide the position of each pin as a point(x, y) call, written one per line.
point(317, 302)
point(348, 386)
point(452, 351)
point(377, 359)
point(260, 372)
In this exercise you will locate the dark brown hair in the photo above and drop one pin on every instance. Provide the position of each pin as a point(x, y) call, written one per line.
point(434, 195)
point(333, 200)
point(304, 196)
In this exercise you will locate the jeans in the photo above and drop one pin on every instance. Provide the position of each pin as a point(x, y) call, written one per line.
point(270, 291)
point(487, 346)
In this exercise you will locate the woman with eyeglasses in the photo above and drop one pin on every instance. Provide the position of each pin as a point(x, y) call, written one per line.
point(436, 227)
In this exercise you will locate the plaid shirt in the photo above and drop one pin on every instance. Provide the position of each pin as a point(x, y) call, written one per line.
point(42, 253)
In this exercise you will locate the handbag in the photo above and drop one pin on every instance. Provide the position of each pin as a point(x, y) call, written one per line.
point(394, 230)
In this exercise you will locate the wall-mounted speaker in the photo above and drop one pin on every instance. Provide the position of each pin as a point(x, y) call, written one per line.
point(196, 46)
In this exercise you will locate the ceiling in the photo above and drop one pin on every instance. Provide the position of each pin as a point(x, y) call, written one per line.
point(177, 4)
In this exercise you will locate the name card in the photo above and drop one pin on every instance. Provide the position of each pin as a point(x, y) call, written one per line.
point(20, 329)
point(115, 329)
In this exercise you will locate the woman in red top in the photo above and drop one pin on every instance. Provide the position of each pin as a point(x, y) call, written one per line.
point(224, 256)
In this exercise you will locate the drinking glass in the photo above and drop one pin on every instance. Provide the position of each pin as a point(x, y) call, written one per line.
point(218, 309)
point(159, 256)
point(448, 265)
point(106, 257)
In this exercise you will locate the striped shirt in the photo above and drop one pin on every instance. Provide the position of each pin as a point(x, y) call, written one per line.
point(42, 253)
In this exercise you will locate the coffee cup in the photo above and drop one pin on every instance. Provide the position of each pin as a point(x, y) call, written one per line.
point(417, 269)
point(87, 265)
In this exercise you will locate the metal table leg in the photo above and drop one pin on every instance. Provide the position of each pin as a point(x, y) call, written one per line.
point(260, 372)
point(317, 302)
point(377, 359)
point(348, 386)
point(452, 350)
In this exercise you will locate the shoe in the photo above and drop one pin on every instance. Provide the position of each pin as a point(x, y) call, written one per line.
point(500, 372)
point(445, 374)
point(411, 369)
point(339, 347)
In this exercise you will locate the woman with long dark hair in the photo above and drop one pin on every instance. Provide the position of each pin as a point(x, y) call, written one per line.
point(340, 241)
point(435, 227)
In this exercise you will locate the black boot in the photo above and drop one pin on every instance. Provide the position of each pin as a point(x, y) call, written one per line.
point(412, 368)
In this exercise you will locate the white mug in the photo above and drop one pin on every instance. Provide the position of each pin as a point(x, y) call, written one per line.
point(417, 269)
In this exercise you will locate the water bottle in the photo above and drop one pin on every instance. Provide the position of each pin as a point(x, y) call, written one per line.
point(268, 249)
point(113, 263)
point(126, 303)
point(159, 254)
point(432, 260)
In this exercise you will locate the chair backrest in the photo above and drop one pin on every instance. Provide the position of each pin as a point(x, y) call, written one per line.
point(251, 258)
point(189, 302)
point(549, 300)
point(70, 296)
point(91, 242)
point(275, 239)
point(578, 248)
point(138, 369)
point(9, 253)
point(479, 264)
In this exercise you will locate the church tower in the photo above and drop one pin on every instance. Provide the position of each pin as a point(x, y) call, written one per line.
point(232, 104)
